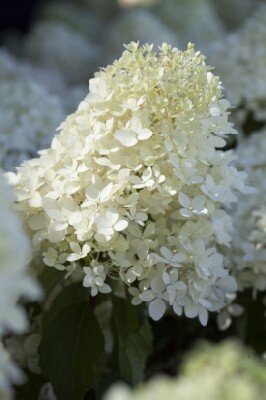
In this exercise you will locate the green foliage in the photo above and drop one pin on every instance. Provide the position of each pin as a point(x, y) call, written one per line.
point(71, 294)
point(31, 389)
point(132, 341)
point(49, 278)
point(70, 349)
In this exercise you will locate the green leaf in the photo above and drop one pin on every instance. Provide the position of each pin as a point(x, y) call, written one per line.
point(70, 351)
point(137, 348)
point(49, 278)
point(31, 389)
point(132, 341)
point(68, 295)
point(125, 316)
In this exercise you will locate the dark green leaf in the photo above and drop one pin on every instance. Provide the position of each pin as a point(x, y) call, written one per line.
point(70, 351)
point(68, 295)
point(31, 389)
point(125, 316)
point(132, 341)
point(49, 278)
point(137, 348)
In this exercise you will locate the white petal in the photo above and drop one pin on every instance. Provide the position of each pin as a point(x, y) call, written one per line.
point(135, 124)
point(148, 295)
point(105, 288)
point(168, 144)
point(203, 316)
point(94, 291)
point(177, 309)
point(186, 213)
point(215, 111)
point(157, 284)
point(165, 252)
point(209, 182)
point(121, 225)
point(236, 310)
point(166, 278)
point(184, 200)
point(179, 257)
point(126, 137)
point(105, 231)
point(228, 284)
point(73, 257)
point(224, 320)
point(181, 286)
point(198, 202)
point(106, 192)
point(157, 309)
point(191, 309)
point(145, 134)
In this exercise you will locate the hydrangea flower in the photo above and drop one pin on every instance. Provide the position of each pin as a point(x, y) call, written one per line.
point(57, 47)
point(112, 189)
point(193, 20)
point(28, 114)
point(239, 59)
point(225, 371)
point(247, 254)
point(249, 245)
point(137, 25)
point(14, 283)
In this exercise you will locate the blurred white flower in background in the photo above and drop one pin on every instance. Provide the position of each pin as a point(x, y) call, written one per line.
point(224, 371)
point(247, 255)
point(249, 244)
point(14, 284)
point(29, 114)
point(136, 25)
point(134, 182)
point(56, 46)
point(240, 61)
point(193, 21)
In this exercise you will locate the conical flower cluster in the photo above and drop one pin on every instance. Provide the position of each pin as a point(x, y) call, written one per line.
point(135, 187)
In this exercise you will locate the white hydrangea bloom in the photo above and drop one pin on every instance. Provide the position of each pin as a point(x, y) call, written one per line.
point(240, 62)
point(24, 351)
point(58, 47)
point(234, 12)
point(28, 114)
point(247, 254)
point(136, 25)
point(14, 283)
point(134, 183)
point(8, 373)
point(192, 20)
point(249, 245)
point(225, 371)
